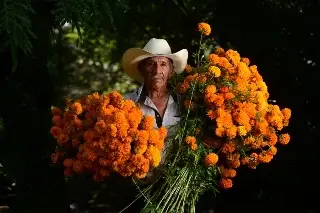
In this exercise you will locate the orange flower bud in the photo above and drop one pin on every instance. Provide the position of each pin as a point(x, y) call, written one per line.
point(211, 159)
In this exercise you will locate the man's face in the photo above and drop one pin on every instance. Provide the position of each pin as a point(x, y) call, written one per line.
point(157, 70)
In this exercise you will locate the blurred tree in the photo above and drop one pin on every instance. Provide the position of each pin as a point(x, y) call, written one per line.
point(87, 67)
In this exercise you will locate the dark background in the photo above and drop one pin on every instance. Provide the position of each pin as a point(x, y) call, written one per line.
point(281, 37)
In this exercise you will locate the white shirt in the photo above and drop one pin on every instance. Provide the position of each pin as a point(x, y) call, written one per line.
point(171, 115)
point(170, 118)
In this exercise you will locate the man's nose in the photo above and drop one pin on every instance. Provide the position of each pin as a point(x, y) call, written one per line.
point(157, 68)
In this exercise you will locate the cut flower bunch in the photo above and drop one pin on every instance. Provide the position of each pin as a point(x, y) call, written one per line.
point(227, 122)
point(101, 134)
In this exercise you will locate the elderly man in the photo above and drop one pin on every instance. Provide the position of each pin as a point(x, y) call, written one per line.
point(153, 66)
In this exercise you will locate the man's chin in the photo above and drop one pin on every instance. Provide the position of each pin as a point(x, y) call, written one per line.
point(158, 82)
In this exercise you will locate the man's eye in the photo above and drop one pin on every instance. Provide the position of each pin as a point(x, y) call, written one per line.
point(164, 64)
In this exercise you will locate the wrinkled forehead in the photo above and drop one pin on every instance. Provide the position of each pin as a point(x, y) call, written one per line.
point(158, 59)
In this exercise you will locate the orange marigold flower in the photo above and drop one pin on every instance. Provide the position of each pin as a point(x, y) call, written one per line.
point(248, 141)
point(219, 100)
point(215, 71)
point(220, 132)
point(104, 162)
point(204, 28)
point(89, 135)
point(212, 114)
point(55, 131)
point(265, 157)
point(233, 56)
point(284, 139)
point(228, 96)
point(160, 144)
point(273, 150)
point(211, 89)
point(219, 51)
point(202, 78)
point(76, 108)
point(92, 156)
point(140, 162)
point(225, 183)
point(127, 105)
point(235, 163)
point(273, 138)
point(193, 146)
point(228, 173)
point(62, 139)
point(153, 155)
point(188, 68)
point(112, 130)
point(56, 111)
point(211, 159)
point(148, 122)
point(142, 137)
point(154, 136)
point(232, 132)
point(242, 130)
point(225, 89)
point(254, 156)
point(246, 61)
point(163, 132)
point(228, 148)
point(214, 59)
point(116, 99)
point(77, 166)
point(140, 149)
point(135, 118)
point(68, 162)
point(182, 88)
point(190, 140)
point(286, 113)
point(56, 120)
point(141, 175)
point(245, 161)
point(100, 126)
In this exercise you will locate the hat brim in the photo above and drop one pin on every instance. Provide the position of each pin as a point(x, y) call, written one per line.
point(133, 56)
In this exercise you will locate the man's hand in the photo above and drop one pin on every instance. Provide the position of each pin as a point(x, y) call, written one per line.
point(211, 139)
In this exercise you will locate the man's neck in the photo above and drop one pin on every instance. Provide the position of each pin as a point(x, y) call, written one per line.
point(157, 93)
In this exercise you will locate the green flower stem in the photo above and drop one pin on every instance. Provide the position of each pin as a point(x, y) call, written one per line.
point(182, 195)
point(179, 184)
point(198, 54)
point(184, 127)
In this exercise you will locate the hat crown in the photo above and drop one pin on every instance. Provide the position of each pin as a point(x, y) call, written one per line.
point(157, 46)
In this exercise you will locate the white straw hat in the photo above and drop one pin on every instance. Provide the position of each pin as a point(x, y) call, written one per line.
point(155, 47)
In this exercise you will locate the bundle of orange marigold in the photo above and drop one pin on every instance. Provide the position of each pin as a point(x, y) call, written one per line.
point(227, 121)
point(101, 134)
point(234, 98)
